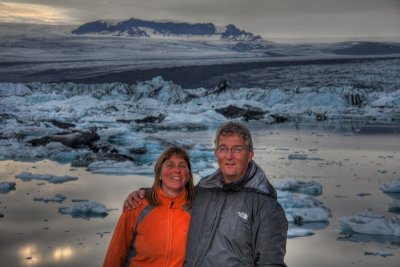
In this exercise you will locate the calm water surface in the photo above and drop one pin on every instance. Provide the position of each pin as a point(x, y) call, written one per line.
point(34, 233)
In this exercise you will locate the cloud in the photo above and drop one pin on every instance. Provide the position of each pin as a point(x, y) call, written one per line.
point(300, 18)
point(32, 13)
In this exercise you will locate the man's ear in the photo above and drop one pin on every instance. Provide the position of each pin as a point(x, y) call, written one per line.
point(251, 155)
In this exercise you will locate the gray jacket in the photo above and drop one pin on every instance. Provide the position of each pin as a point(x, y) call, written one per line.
point(236, 224)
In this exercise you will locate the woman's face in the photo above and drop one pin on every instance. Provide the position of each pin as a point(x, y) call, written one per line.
point(174, 175)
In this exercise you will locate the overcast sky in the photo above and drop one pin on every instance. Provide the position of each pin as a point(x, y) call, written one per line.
point(268, 18)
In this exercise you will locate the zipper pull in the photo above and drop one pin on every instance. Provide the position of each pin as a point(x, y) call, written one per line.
point(172, 203)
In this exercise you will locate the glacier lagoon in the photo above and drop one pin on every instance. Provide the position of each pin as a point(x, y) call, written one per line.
point(68, 194)
point(351, 168)
point(74, 151)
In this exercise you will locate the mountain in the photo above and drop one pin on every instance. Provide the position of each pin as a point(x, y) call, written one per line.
point(142, 28)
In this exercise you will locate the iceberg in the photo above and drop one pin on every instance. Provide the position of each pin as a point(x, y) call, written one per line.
point(305, 187)
point(371, 224)
point(52, 120)
point(56, 198)
point(85, 210)
point(392, 186)
point(6, 187)
point(378, 253)
point(304, 208)
point(394, 206)
point(298, 232)
point(112, 167)
point(27, 176)
point(303, 211)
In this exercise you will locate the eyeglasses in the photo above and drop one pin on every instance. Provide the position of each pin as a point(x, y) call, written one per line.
point(235, 150)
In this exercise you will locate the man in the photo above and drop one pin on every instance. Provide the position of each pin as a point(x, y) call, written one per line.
point(236, 218)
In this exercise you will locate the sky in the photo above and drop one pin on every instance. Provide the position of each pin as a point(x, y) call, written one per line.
point(317, 19)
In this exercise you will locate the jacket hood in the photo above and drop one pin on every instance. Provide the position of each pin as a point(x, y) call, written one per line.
point(253, 180)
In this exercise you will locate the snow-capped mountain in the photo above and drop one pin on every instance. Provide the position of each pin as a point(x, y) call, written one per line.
point(146, 28)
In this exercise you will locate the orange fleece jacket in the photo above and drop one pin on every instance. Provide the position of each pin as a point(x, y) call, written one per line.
point(157, 238)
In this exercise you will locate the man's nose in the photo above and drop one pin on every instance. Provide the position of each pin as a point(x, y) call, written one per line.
point(229, 153)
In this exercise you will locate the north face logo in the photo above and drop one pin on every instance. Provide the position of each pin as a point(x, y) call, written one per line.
point(242, 215)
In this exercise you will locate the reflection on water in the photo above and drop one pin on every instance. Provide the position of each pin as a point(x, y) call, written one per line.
point(381, 239)
point(31, 256)
point(62, 253)
point(395, 196)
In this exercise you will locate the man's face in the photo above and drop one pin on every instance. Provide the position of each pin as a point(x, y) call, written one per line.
point(233, 157)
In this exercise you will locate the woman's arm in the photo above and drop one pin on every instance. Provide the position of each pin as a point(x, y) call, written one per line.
point(121, 240)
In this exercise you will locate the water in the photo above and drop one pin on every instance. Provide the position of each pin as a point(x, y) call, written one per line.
point(361, 161)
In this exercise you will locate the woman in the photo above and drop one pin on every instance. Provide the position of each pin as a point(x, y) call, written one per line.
point(155, 233)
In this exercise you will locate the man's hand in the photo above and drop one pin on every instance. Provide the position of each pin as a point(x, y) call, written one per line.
point(134, 199)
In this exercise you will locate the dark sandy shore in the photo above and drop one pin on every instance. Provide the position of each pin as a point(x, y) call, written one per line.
point(192, 76)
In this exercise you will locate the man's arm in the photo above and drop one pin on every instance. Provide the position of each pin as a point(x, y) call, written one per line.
point(270, 242)
point(134, 199)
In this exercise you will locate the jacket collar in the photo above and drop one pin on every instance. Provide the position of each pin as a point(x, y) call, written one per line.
point(179, 200)
point(253, 180)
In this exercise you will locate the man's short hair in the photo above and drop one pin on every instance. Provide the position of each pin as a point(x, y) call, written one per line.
point(232, 128)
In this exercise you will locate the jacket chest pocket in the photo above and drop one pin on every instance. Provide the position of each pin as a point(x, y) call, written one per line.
point(237, 225)
point(242, 220)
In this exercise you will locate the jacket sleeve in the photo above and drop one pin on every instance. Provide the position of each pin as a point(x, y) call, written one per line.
point(270, 239)
point(121, 240)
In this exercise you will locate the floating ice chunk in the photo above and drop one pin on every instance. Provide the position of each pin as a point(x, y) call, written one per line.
point(302, 157)
point(349, 134)
point(371, 224)
point(201, 154)
point(297, 156)
point(14, 89)
point(298, 232)
point(112, 167)
point(282, 149)
point(387, 100)
point(394, 206)
point(56, 198)
point(85, 210)
point(65, 157)
point(391, 187)
point(79, 200)
point(362, 194)
point(61, 179)
point(294, 185)
point(378, 253)
point(206, 172)
point(306, 207)
point(315, 214)
point(6, 187)
point(27, 176)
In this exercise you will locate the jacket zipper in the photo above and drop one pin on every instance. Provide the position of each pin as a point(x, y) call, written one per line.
point(221, 204)
point(169, 245)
